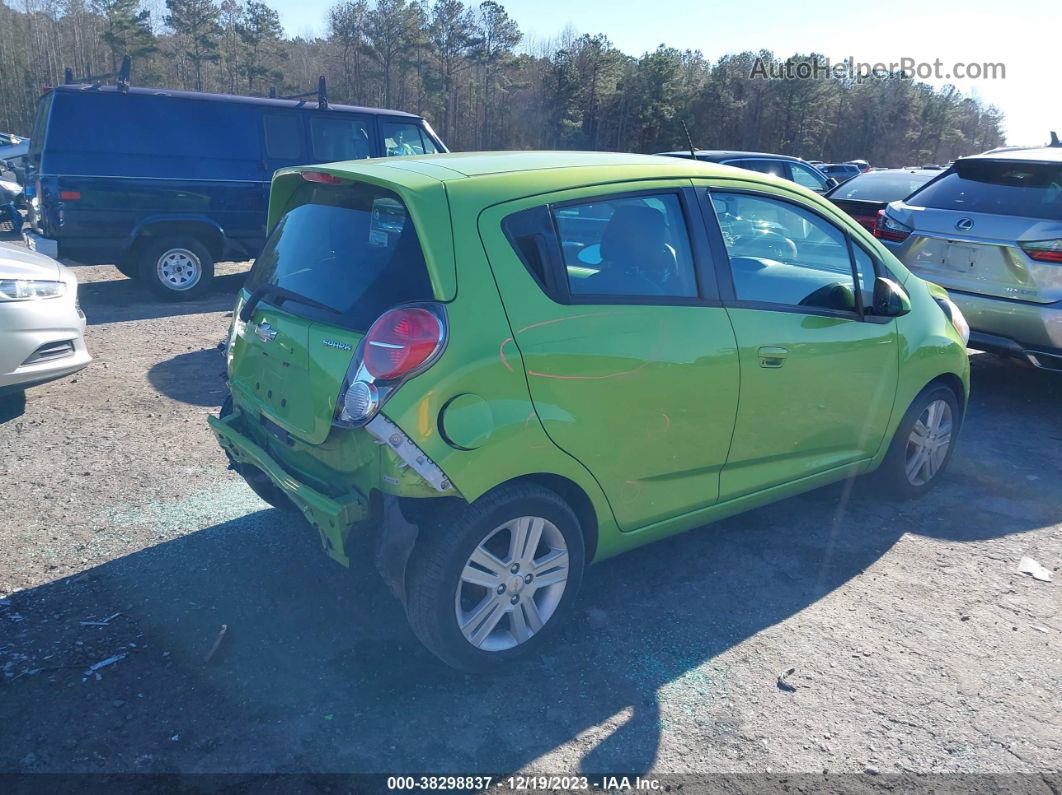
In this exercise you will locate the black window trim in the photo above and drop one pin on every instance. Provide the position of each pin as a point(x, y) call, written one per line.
point(701, 250)
point(724, 272)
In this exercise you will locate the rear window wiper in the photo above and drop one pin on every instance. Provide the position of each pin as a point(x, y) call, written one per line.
point(274, 291)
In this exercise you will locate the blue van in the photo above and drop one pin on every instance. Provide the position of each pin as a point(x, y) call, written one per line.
point(163, 184)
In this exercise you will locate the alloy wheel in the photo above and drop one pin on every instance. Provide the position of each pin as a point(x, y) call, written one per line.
point(928, 444)
point(512, 583)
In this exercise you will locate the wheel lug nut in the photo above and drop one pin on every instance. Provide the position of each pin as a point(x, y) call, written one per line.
point(529, 577)
point(515, 599)
point(515, 568)
point(501, 589)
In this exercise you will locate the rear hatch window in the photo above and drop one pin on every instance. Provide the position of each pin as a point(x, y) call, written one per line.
point(349, 248)
point(999, 187)
point(339, 257)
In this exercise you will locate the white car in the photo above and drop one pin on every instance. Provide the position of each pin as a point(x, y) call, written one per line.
point(42, 328)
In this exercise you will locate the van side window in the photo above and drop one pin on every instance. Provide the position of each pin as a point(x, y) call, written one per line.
point(340, 137)
point(283, 136)
point(405, 138)
point(783, 254)
point(627, 246)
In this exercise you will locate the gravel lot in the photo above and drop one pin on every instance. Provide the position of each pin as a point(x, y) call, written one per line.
point(916, 644)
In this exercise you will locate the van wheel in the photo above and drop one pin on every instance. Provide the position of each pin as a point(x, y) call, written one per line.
point(489, 582)
point(923, 444)
point(176, 268)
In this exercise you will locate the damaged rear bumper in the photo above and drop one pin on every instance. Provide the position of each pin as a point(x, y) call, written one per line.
point(331, 516)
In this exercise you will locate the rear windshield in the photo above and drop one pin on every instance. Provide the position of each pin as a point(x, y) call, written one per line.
point(879, 187)
point(351, 248)
point(1000, 187)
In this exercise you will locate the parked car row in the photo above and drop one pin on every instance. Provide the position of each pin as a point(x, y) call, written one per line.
point(986, 227)
point(551, 413)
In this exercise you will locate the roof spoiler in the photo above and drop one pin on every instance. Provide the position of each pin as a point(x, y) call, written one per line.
point(121, 77)
point(1054, 139)
point(321, 93)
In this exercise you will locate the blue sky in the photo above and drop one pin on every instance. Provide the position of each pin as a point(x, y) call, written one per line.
point(1016, 34)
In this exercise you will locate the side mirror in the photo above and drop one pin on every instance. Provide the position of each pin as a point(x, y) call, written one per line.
point(831, 183)
point(890, 300)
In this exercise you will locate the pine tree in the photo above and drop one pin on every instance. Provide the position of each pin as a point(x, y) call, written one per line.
point(196, 23)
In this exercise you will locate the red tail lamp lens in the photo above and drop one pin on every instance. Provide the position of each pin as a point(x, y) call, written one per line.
point(1044, 250)
point(400, 341)
point(321, 176)
point(70, 195)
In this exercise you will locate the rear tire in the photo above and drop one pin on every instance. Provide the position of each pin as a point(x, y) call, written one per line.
point(128, 266)
point(176, 268)
point(922, 446)
point(478, 595)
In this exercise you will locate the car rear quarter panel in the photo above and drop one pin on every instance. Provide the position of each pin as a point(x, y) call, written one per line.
point(475, 375)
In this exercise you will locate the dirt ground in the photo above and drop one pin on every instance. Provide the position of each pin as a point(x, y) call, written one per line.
point(126, 546)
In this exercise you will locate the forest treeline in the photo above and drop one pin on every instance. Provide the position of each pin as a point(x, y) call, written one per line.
point(469, 69)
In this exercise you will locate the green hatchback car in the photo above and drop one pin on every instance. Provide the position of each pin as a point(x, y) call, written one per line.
point(497, 368)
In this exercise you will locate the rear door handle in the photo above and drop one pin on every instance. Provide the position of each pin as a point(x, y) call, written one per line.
point(772, 356)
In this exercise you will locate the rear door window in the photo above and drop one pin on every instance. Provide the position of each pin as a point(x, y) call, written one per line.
point(627, 246)
point(352, 248)
point(802, 175)
point(775, 167)
point(405, 138)
point(340, 137)
point(1000, 187)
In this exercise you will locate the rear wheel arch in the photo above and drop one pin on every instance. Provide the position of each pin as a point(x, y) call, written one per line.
point(578, 500)
point(206, 233)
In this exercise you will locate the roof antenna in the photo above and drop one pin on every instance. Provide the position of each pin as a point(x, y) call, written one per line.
point(693, 150)
point(1054, 139)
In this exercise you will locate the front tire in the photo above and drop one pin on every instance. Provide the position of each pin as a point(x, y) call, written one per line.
point(176, 268)
point(491, 581)
point(923, 444)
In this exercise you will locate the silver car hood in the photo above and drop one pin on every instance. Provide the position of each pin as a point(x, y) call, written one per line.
point(17, 262)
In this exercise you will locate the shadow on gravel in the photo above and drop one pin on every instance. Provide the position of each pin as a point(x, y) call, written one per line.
point(318, 671)
point(197, 377)
point(123, 299)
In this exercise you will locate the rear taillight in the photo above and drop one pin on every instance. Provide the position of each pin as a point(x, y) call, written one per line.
point(402, 343)
point(890, 229)
point(322, 177)
point(1044, 250)
point(70, 195)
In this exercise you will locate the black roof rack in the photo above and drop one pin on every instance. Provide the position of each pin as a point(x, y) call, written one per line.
point(121, 82)
point(121, 77)
point(321, 93)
